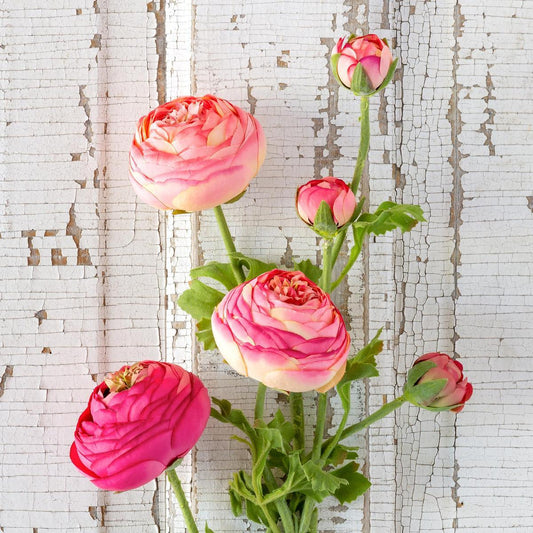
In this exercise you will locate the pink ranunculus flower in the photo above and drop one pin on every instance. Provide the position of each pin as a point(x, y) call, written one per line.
point(334, 192)
point(139, 421)
point(283, 330)
point(369, 50)
point(195, 153)
point(456, 391)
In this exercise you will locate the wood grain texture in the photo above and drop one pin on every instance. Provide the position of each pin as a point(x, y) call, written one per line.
point(82, 269)
point(84, 287)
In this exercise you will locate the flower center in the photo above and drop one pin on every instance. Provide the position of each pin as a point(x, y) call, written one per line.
point(294, 290)
point(123, 379)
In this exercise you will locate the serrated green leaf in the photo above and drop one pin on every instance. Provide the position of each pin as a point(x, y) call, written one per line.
point(199, 300)
point(221, 272)
point(254, 266)
point(342, 453)
point(355, 483)
point(368, 353)
point(312, 271)
point(322, 483)
point(324, 224)
point(235, 502)
point(204, 334)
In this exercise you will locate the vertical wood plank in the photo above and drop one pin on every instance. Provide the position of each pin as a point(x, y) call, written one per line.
point(82, 271)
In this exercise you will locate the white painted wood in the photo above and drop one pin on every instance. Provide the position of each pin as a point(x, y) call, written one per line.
point(83, 263)
point(82, 269)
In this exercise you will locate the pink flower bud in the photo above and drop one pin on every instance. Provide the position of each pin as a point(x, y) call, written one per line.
point(195, 153)
point(455, 392)
point(139, 421)
point(369, 50)
point(334, 192)
point(283, 330)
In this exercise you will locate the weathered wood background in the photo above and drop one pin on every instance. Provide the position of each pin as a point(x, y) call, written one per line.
point(90, 275)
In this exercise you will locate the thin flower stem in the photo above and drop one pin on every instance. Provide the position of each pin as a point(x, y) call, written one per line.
point(182, 501)
point(325, 279)
point(364, 143)
point(281, 504)
point(335, 439)
point(337, 245)
point(297, 412)
point(307, 515)
point(320, 425)
point(260, 402)
point(228, 243)
point(374, 417)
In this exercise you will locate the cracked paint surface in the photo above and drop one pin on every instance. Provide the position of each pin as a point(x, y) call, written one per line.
point(82, 270)
point(83, 286)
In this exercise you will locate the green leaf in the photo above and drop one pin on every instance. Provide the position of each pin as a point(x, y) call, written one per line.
point(362, 366)
point(199, 300)
point(221, 272)
point(355, 483)
point(324, 224)
point(417, 371)
point(254, 513)
point(312, 271)
point(342, 453)
point(254, 266)
point(322, 483)
point(228, 415)
point(204, 334)
point(368, 353)
point(208, 529)
point(235, 502)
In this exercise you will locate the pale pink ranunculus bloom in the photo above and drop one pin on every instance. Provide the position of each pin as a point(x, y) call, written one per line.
point(334, 192)
point(369, 50)
point(138, 422)
point(457, 391)
point(283, 330)
point(195, 153)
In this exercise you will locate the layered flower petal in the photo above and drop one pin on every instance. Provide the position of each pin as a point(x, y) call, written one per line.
point(283, 330)
point(138, 422)
point(195, 153)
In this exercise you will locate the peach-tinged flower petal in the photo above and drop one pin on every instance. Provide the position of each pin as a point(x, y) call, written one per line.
point(283, 330)
point(195, 153)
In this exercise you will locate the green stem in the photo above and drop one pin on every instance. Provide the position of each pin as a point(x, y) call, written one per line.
point(348, 266)
point(182, 501)
point(364, 143)
point(281, 504)
point(320, 425)
point(297, 412)
point(335, 439)
point(337, 245)
point(307, 514)
point(374, 417)
point(228, 243)
point(260, 402)
point(325, 279)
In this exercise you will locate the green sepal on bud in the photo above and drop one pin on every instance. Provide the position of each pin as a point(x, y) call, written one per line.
point(360, 85)
point(324, 223)
point(423, 394)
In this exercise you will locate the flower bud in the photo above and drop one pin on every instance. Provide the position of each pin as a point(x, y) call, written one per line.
point(368, 53)
point(436, 382)
point(337, 195)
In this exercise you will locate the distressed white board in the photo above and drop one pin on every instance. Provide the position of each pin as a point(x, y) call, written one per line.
point(453, 134)
point(82, 267)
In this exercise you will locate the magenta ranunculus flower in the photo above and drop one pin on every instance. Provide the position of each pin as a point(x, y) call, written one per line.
point(456, 391)
point(195, 153)
point(369, 50)
point(283, 330)
point(334, 192)
point(139, 421)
